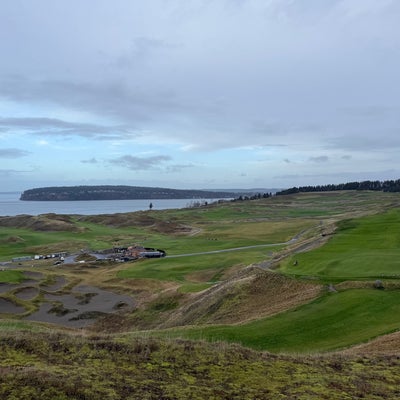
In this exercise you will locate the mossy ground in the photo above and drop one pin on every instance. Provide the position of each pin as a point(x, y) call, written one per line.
point(57, 366)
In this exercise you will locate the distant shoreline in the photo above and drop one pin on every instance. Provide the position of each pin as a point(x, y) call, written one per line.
point(112, 192)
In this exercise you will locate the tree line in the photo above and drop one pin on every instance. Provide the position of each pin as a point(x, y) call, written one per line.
point(383, 186)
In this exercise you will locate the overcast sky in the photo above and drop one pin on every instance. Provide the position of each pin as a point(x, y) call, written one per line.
point(198, 94)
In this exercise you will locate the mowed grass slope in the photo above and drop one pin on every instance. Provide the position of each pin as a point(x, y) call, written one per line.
point(331, 322)
point(208, 266)
point(367, 247)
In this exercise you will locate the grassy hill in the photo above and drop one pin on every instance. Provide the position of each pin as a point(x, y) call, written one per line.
point(312, 278)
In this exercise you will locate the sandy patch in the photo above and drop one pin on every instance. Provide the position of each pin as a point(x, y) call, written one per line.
point(81, 307)
point(27, 293)
point(33, 275)
point(6, 287)
point(8, 307)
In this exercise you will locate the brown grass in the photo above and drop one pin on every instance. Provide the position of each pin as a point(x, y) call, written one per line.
point(383, 345)
point(43, 222)
point(139, 219)
point(251, 294)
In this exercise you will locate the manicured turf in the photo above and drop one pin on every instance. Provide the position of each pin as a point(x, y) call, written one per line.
point(11, 276)
point(367, 247)
point(204, 268)
point(333, 321)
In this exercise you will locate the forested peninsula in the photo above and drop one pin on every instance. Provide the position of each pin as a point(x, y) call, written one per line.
point(112, 192)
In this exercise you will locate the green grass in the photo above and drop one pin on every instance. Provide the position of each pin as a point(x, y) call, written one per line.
point(20, 326)
point(205, 268)
point(367, 247)
point(11, 276)
point(331, 322)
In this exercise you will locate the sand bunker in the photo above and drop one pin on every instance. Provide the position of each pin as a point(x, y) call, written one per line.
point(6, 287)
point(27, 293)
point(81, 307)
point(8, 307)
point(33, 275)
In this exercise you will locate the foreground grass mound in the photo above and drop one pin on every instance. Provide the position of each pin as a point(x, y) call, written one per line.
point(55, 366)
point(331, 322)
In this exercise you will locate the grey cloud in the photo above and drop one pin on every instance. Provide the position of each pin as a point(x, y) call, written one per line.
point(90, 161)
point(320, 159)
point(112, 98)
point(368, 111)
point(178, 167)
point(57, 127)
point(369, 141)
point(139, 163)
point(8, 172)
point(12, 172)
point(13, 153)
point(140, 51)
point(284, 128)
point(340, 177)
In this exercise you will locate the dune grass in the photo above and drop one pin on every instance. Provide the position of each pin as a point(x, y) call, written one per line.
point(66, 367)
point(367, 247)
point(331, 322)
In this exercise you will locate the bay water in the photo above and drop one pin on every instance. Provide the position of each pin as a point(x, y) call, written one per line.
point(10, 205)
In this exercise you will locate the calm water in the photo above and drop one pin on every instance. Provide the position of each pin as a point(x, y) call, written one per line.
point(11, 205)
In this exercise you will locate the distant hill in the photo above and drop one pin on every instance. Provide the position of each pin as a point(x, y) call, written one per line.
point(112, 192)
